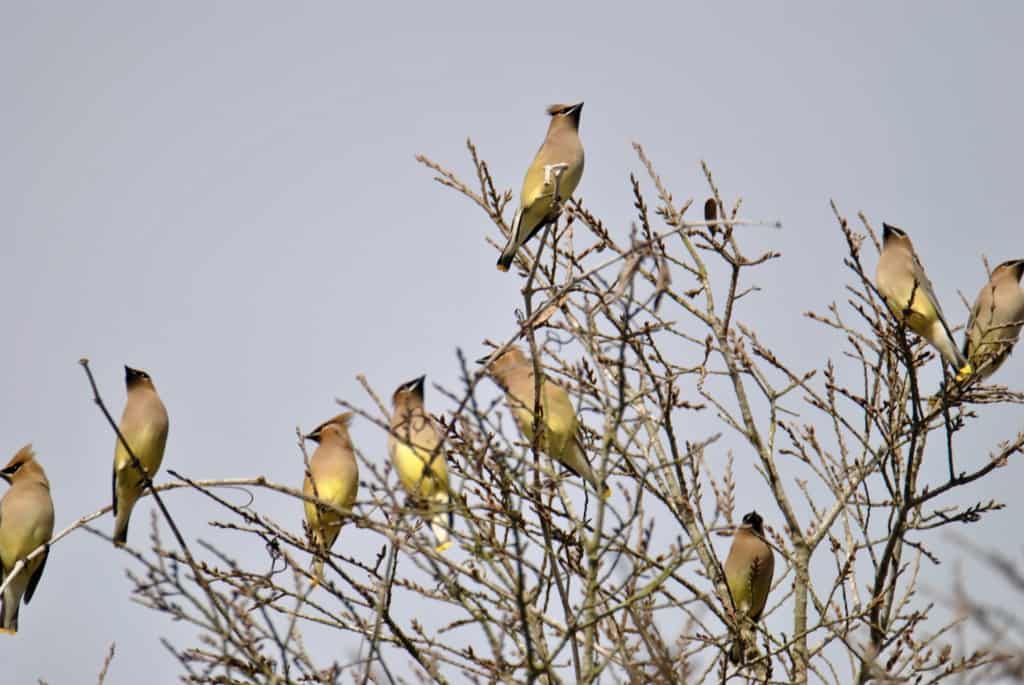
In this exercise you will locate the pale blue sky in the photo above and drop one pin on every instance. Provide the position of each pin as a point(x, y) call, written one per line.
point(225, 195)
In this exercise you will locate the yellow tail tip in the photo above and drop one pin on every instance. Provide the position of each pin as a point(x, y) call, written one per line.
point(443, 547)
point(606, 492)
point(502, 268)
point(8, 631)
point(963, 373)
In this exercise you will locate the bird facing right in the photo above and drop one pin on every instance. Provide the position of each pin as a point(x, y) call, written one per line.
point(558, 165)
point(748, 573)
point(902, 282)
point(996, 319)
point(26, 522)
point(144, 426)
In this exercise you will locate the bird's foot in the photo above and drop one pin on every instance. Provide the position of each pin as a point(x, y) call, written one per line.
point(554, 170)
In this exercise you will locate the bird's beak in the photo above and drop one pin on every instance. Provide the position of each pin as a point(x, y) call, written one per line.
point(484, 359)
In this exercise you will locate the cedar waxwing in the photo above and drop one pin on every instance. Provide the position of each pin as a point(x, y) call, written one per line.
point(748, 573)
point(414, 445)
point(558, 163)
point(711, 214)
point(335, 475)
point(996, 319)
point(899, 277)
point(26, 522)
point(560, 440)
point(144, 425)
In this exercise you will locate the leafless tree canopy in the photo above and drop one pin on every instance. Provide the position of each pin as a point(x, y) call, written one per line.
point(680, 399)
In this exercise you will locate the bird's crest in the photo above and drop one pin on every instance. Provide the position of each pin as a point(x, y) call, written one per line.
point(1016, 267)
point(571, 111)
point(414, 387)
point(889, 231)
point(133, 377)
point(25, 454)
point(342, 420)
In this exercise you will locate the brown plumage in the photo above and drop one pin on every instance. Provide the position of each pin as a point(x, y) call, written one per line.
point(711, 214)
point(334, 478)
point(996, 318)
point(901, 280)
point(559, 161)
point(414, 444)
point(560, 439)
point(748, 573)
point(144, 425)
point(26, 522)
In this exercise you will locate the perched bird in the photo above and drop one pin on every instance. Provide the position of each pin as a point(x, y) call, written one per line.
point(996, 319)
point(901, 277)
point(414, 444)
point(333, 477)
point(558, 164)
point(711, 214)
point(560, 439)
point(144, 426)
point(748, 573)
point(26, 522)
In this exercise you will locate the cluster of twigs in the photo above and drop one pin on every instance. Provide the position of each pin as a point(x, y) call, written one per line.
point(661, 355)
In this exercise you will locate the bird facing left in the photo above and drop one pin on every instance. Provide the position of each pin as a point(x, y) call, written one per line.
point(333, 477)
point(26, 522)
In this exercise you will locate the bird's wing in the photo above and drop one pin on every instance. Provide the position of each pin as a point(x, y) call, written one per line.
point(34, 580)
point(926, 287)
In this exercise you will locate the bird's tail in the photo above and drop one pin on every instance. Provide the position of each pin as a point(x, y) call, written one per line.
point(317, 570)
point(442, 521)
point(950, 352)
point(9, 606)
point(736, 651)
point(509, 253)
point(578, 463)
point(121, 524)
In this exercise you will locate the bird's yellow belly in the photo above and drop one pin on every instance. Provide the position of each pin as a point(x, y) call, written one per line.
point(16, 545)
point(740, 591)
point(538, 199)
point(921, 315)
point(335, 491)
point(411, 464)
point(149, 451)
point(556, 431)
